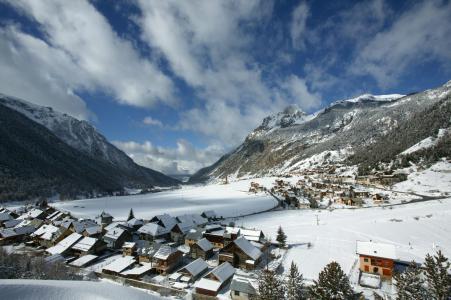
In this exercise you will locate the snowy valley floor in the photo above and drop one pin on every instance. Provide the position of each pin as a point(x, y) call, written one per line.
point(415, 229)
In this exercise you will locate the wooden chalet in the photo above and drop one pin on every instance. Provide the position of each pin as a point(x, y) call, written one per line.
point(213, 282)
point(116, 237)
point(192, 271)
point(129, 248)
point(201, 249)
point(241, 253)
point(88, 245)
point(166, 259)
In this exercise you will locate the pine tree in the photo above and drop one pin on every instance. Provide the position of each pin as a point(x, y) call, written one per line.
point(131, 215)
point(281, 237)
point(332, 284)
point(410, 284)
point(437, 274)
point(294, 283)
point(270, 286)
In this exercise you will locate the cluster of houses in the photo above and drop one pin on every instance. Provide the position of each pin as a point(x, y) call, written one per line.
point(191, 251)
point(312, 192)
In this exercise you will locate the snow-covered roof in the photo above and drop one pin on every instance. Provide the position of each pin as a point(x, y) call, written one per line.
point(120, 264)
point(85, 244)
point(164, 252)
point(114, 233)
point(232, 230)
point(223, 272)
point(104, 215)
point(195, 268)
point(376, 249)
point(83, 260)
point(251, 235)
point(45, 232)
point(184, 227)
point(129, 245)
point(195, 234)
point(243, 285)
point(153, 229)
point(5, 217)
point(34, 213)
point(144, 268)
point(204, 244)
point(167, 220)
point(192, 218)
point(209, 214)
point(11, 223)
point(208, 284)
point(65, 244)
point(135, 222)
point(248, 248)
point(93, 229)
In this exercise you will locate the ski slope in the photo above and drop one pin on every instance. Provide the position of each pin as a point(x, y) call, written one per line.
point(226, 199)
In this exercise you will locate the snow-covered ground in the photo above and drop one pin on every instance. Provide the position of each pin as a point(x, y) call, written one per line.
point(415, 229)
point(13, 289)
point(434, 181)
point(226, 199)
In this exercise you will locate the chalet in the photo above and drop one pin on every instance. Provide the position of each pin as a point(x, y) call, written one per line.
point(201, 249)
point(104, 219)
point(13, 235)
point(378, 198)
point(44, 235)
point(116, 237)
point(145, 254)
point(11, 223)
point(34, 213)
point(64, 246)
point(152, 231)
point(138, 271)
point(119, 265)
point(179, 231)
point(241, 254)
point(376, 258)
point(192, 218)
point(216, 238)
point(93, 231)
point(88, 245)
point(252, 235)
point(193, 270)
point(166, 259)
point(193, 236)
point(135, 223)
point(129, 248)
point(210, 215)
point(164, 220)
point(4, 217)
point(79, 226)
point(214, 281)
point(84, 261)
point(243, 288)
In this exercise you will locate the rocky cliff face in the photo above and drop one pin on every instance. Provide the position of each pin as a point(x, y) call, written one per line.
point(292, 140)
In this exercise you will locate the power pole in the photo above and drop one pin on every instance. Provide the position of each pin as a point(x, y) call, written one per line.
point(317, 220)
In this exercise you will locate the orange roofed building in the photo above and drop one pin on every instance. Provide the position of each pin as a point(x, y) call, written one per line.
point(376, 258)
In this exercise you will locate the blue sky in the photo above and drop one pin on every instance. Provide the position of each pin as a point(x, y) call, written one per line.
point(176, 84)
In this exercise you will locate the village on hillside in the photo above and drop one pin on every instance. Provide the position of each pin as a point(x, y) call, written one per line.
point(203, 255)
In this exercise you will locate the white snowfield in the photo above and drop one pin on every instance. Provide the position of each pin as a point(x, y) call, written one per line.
point(18, 289)
point(414, 230)
point(225, 199)
point(434, 181)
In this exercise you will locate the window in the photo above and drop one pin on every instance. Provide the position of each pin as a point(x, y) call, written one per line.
point(365, 259)
point(237, 293)
point(375, 270)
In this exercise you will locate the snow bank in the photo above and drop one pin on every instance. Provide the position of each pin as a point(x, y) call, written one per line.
point(69, 290)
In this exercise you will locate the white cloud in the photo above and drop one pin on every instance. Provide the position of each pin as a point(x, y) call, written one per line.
point(208, 45)
point(183, 159)
point(420, 34)
point(152, 122)
point(90, 56)
point(298, 25)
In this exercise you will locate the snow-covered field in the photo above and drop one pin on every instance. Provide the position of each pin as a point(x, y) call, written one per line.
point(434, 181)
point(226, 199)
point(15, 289)
point(415, 229)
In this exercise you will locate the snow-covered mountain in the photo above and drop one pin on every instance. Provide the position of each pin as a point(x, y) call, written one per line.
point(291, 140)
point(44, 152)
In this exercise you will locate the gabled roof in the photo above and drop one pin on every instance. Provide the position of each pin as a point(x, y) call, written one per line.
point(139, 270)
point(83, 260)
point(223, 272)
point(192, 218)
point(11, 223)
point(194, 235)
point(376, 249)
point(167, 220)
point(129, 245)
point(93, 229)
point(135, 222)
point(104, 215)
point(120, 264)
point(204, 244)
point(209, 214)
point(65, 244)
point(45, 232)
point(248, 248)
point(5, 217)
point(85, 244)
point(252, 235)
point(80, 226)
point(242, 285)
point(195, 268)
point(164, 252)
point(153, 229)
point(208, 284)
point(184, 227)
point(114, 233)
